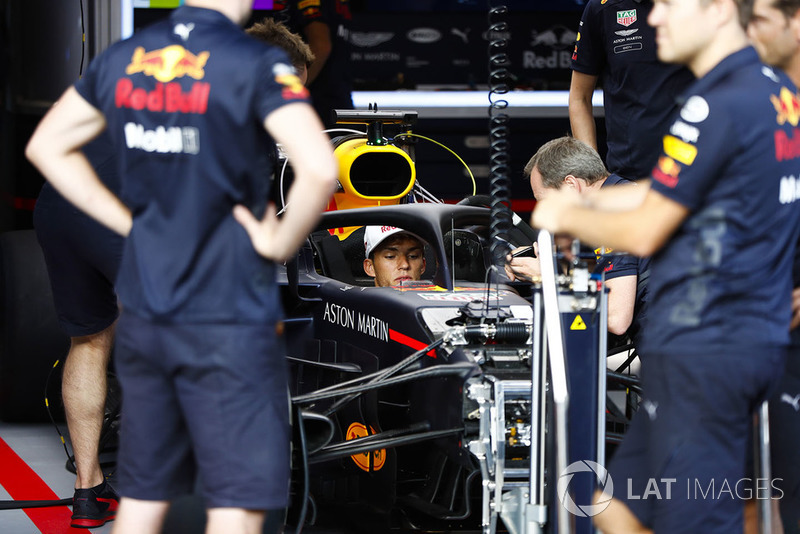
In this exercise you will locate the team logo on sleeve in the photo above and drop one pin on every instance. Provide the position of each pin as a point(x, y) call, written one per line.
point(168, 63)
point(667, 171)
point(695, 109)
point(293, 88)
point(575, 50)
point(599, 252)
point(679, 150)
point(787, 106)
point(627, 17)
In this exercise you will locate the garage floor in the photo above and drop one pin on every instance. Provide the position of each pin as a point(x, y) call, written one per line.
point(32, 467)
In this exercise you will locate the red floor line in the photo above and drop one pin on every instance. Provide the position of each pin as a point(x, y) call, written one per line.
point(23, 484)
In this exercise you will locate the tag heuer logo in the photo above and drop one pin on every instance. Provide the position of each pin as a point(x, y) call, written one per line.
point(626, 18)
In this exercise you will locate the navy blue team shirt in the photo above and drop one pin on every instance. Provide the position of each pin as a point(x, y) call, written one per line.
point(732, 157)
point(616, 43)
point(185, 101)
point(332, 88)
point(617, 265)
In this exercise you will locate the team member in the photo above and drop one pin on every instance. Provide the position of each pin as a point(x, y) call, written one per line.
point(567, 162)
point(82, 258)
point(720, 213)
point(775, 32)
point(616, 43)
point(393, 256)
point(323, 25)
point(186, 103)
point(278, 34)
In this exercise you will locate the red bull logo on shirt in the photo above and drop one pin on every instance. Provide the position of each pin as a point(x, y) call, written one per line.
point(293, 88)
point(787, 106)
point(787, 146)
point(667, 171)
point(168, 97)
point(168, 63)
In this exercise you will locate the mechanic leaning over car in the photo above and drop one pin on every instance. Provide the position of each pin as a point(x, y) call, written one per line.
point(199, 347)
point(567, 162)
point(721, 219)
point(393, 256)
point(775, 32)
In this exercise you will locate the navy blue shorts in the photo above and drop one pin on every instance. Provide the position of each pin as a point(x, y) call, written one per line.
point(681, 466)
point(82, 258)
point(784, 420)
point(203, 400)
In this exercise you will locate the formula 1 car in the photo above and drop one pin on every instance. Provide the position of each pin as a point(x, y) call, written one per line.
point(425, 406)
point(434, 405)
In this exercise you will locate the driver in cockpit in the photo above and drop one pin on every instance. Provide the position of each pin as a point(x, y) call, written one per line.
point(393, 256)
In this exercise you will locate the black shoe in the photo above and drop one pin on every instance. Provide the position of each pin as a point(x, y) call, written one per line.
point(94, 506)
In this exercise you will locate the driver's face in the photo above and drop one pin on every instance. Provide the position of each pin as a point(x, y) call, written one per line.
point(402, 260)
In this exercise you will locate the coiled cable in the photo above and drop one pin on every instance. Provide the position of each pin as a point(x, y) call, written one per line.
point(499, 181)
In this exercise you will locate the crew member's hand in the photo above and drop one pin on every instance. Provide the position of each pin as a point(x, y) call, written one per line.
point(523, 268)
point(795, 308)
point(262, 233)
point(547, 215)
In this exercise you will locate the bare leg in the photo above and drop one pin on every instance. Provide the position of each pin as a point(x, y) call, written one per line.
point(84, 393)
point(618, 518)
point(239, 520)
point(751, 525)
point(140, 517)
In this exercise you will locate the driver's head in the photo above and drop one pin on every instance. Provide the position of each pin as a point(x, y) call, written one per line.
point(393, 255)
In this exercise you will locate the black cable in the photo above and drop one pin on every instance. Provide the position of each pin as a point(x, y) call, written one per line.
point(304, 455)
point(499, 182)
point(70, 458)
point(83, 40)
point(14, 505)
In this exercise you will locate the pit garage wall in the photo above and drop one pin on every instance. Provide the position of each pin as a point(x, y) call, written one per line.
point(433, 50)
point(41, 56)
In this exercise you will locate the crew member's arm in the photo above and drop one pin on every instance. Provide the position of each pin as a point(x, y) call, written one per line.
point(318, 37)
point(795, 308)
point(299, 131)
point(640, 231)
point(621, 197)
point(581, 117)
point(621, 301)
point(55, 149)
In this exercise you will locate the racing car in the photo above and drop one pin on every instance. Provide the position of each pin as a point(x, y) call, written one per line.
point(422, 405)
